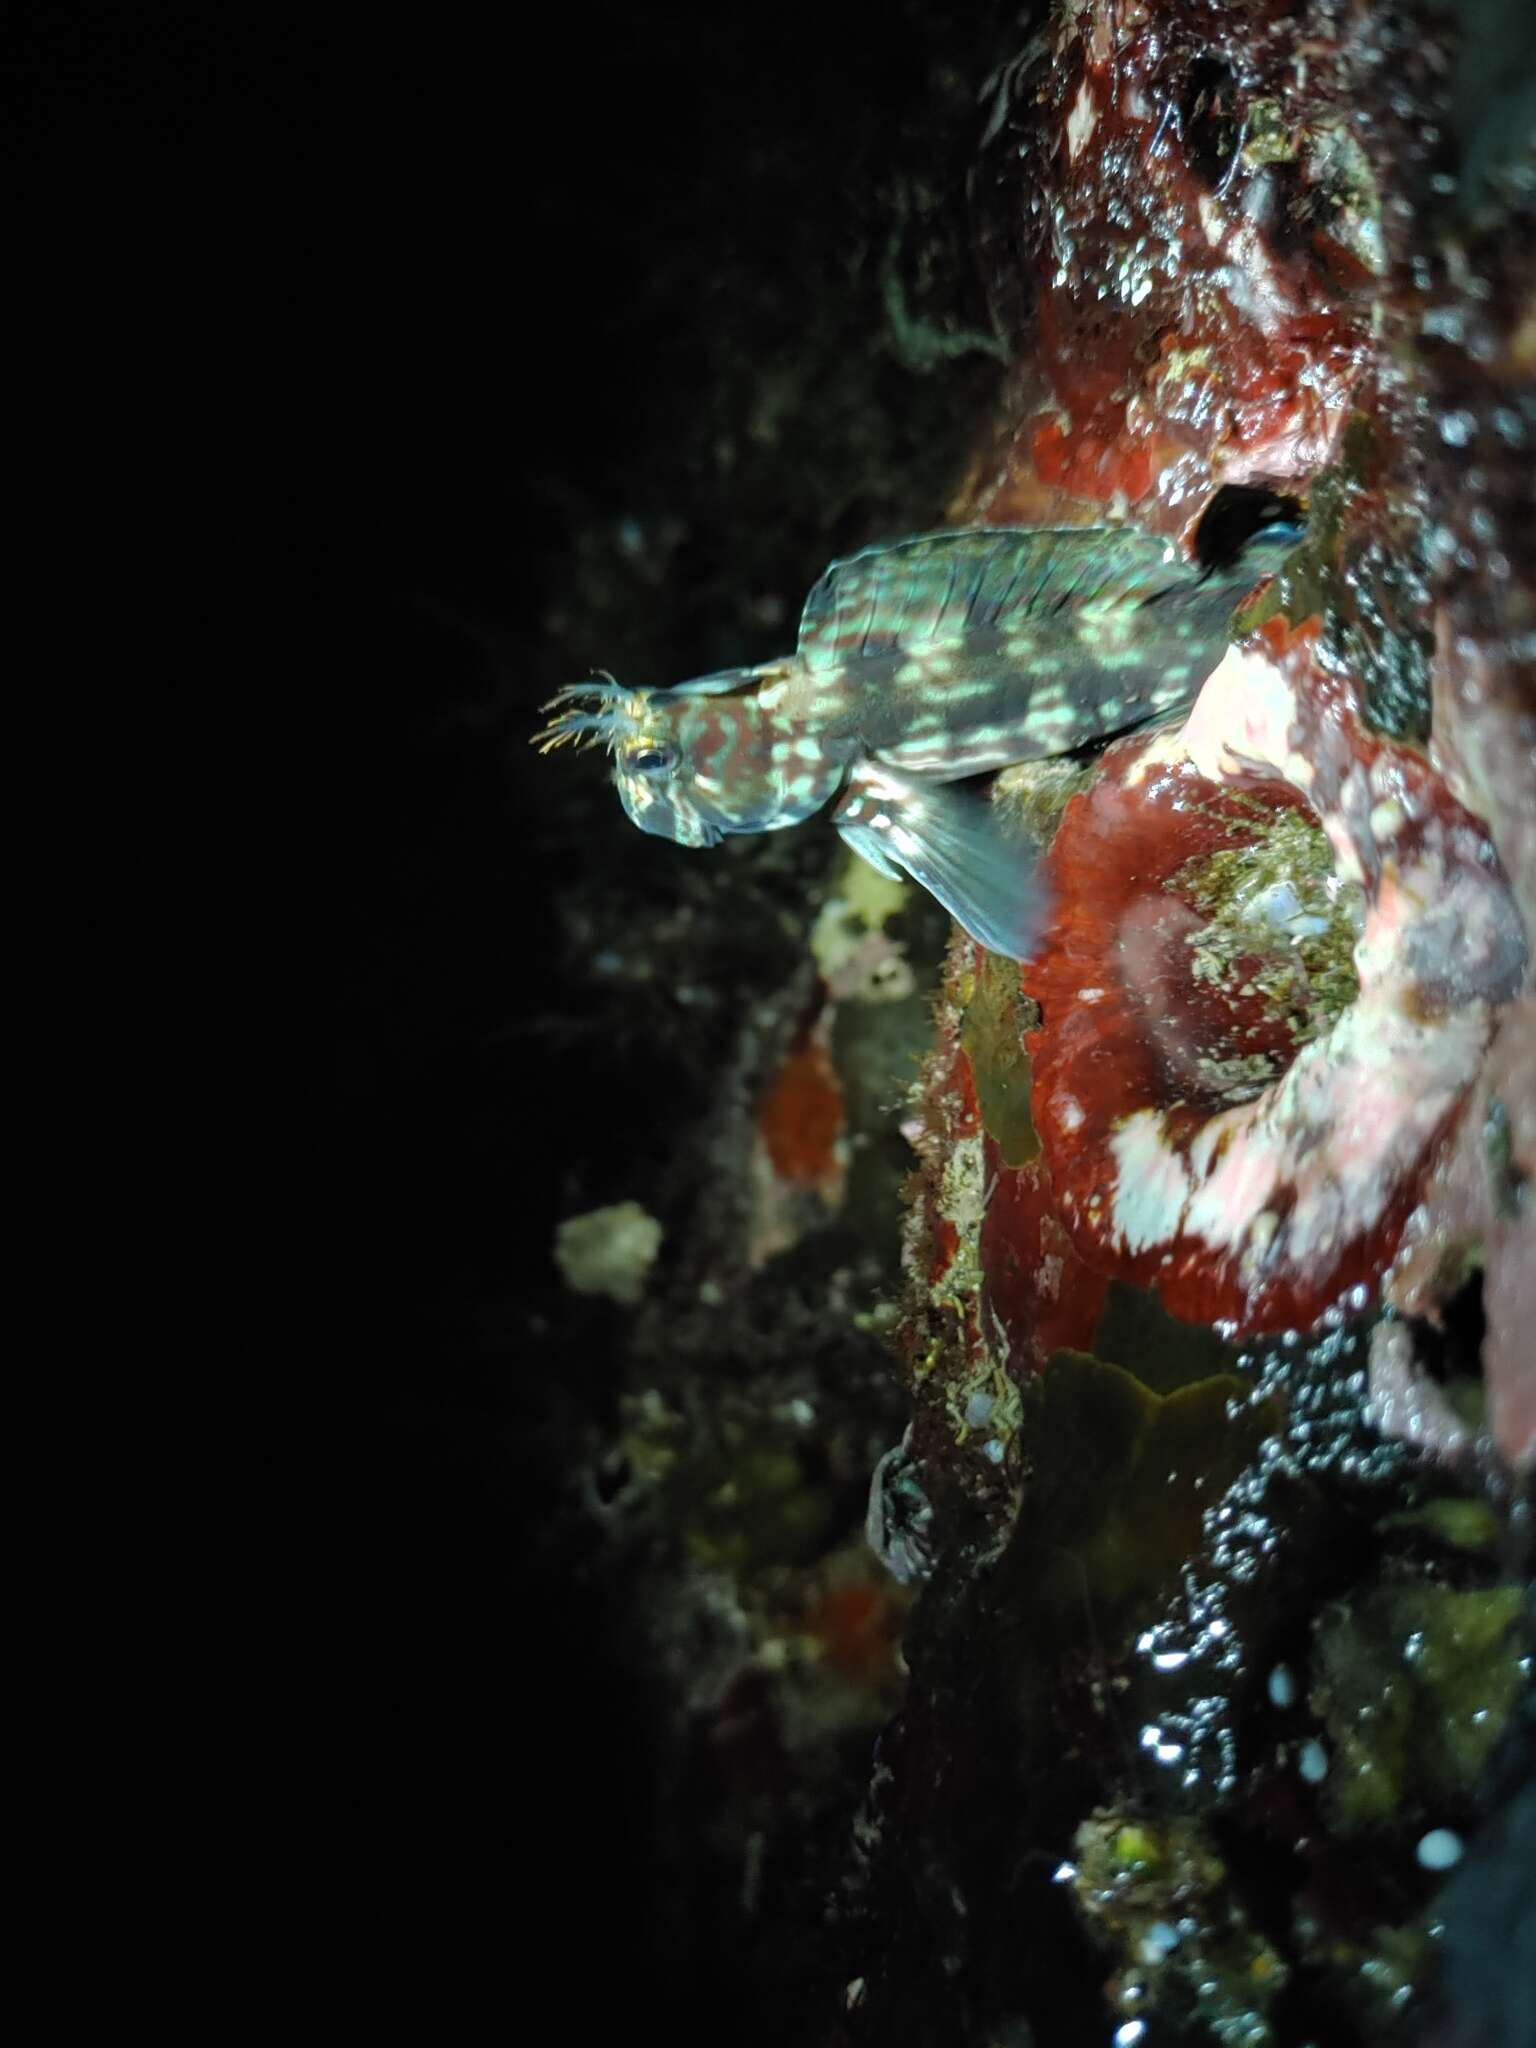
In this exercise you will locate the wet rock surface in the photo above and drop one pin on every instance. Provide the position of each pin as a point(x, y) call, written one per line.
point(882, 1599)
point(1255, 1527)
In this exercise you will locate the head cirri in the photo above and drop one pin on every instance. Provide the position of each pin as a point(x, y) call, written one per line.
point(691, 763)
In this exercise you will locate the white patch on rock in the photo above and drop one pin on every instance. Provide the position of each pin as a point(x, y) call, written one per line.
point(963, 1194)
point(608, 1251)
point(1081, 122)
point(1242, 720)
point(1152, 1186)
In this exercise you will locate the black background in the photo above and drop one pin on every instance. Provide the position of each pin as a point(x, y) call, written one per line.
point(583, 235)
point(493, 286)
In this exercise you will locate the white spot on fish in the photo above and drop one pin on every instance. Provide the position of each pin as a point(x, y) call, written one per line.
point(882, 787)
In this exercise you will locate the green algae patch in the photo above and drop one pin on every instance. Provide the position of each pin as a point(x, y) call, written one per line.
point(992, 1033)
point(1371, 1977)
point(1033, 794)
point(1278, 926)
point(1271, 137)
point(1307, 583)
point(1159, 1895)
point(1122, 1479)
point(1138, 1333)
point(756, 1509)
point(1415, 1684)
point(1303, 586)
point(1134, 1472)
point(876, 1048)
point(1462, 1524)
point(1360, 568)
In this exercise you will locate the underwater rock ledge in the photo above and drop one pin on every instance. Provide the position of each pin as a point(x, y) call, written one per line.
point(1221, 1255)
point(1261, 1214)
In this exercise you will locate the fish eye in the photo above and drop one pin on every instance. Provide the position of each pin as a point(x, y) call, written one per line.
point(652, 760)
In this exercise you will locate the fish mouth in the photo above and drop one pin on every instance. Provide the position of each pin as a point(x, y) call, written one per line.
point(697, 833)
point(662, 822)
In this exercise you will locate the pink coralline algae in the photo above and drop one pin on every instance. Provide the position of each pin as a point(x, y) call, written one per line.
point(1227, 1185)
point(1251, 1201)
point(1476, 360)
point(1282, 1041)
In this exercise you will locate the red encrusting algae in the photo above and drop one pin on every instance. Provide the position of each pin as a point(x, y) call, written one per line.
point(1186, 264)
point(801, 1116)
point(1038, 1291)
point(1204, 1133)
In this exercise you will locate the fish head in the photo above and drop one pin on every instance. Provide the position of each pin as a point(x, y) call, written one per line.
point(658, 784)
point(700, 761)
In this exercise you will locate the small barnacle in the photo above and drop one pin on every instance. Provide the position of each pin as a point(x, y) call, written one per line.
point(898, 1525)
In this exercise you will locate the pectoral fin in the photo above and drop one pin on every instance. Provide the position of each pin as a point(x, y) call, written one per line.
point(952, 841)
point(866, 844)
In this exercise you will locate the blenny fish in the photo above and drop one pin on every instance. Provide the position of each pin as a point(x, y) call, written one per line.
point(919, 665)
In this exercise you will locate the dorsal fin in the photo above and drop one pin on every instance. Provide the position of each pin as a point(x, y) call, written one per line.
point(943, 586)
point(725, 682)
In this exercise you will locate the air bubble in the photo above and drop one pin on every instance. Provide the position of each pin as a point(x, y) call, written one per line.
point(1312, 1762)
point(1440, 1849)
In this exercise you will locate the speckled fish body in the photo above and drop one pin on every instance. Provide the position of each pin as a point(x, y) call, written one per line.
point(919, 665)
